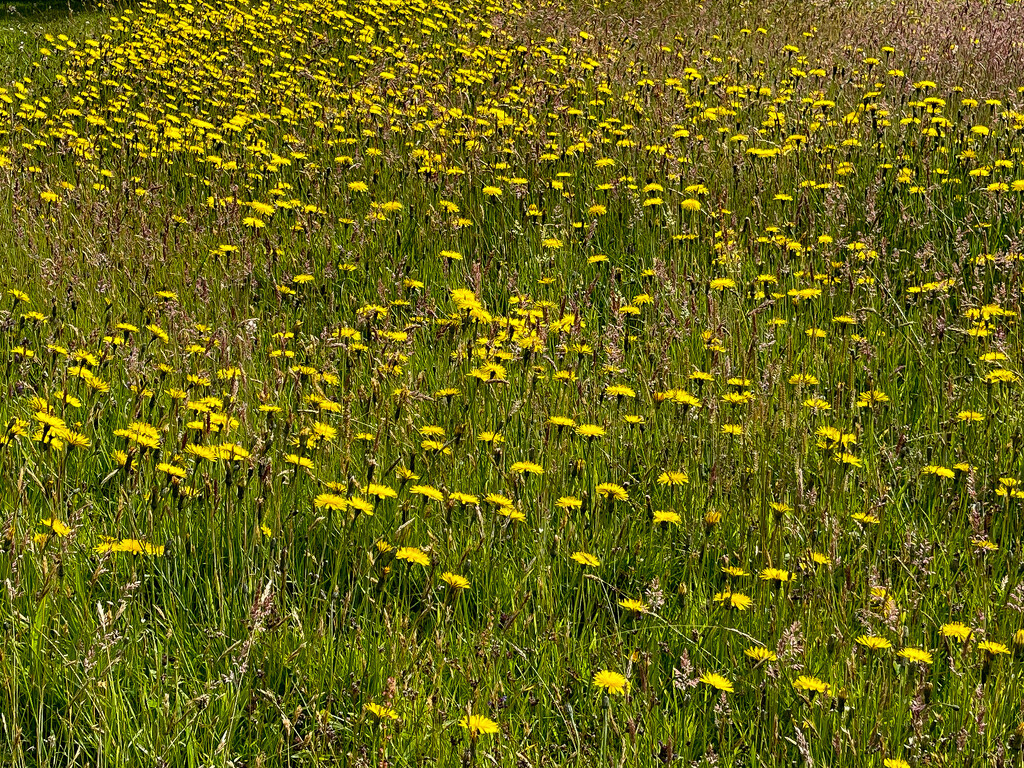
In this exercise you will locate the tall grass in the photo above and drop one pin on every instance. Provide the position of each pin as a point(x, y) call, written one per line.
point(690, 340)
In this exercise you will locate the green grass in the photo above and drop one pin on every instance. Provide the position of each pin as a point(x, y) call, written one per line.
point(296, 295)
point(22, 24)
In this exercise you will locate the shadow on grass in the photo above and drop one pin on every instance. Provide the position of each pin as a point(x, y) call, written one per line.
point(41, 11)
point(23, 23)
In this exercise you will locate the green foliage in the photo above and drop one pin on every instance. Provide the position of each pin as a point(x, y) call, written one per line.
point(646, 383)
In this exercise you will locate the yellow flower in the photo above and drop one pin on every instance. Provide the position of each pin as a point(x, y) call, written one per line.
point(380, 491)
point(956, 630)
point(915, 655)
point(992, 649)
point(673, 478)
point(612, 491)
point(478, 724)
point(718, 681)
point(733, 600)
point(427, 491)
point(759, 655)
point(330, 501)
point(590, 431)
point(666, 516)
point(613, 682)
point(413, 555)
point(873, 643)
point(637, 606)
point(810, 684)
point(55, 525)
point(454, 580)
point(585, 558)
point(524, 467)
point(381, 713)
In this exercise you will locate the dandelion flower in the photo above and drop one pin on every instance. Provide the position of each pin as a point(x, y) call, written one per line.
point(381, 713)
point(873, 643)
point(915, 655)
point(454, 580)
point(637, 606)
point(478, 724)
point(413, 555)
point(585, 558)
point(614, 683)
point(718, 681)
point(810, 684)
point(956, 630)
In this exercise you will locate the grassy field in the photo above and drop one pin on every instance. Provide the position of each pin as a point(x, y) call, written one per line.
point(396, 383)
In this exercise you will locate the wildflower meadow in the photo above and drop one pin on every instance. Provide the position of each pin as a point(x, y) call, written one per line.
point(492, 383)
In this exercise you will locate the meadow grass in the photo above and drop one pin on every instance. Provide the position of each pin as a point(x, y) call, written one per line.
point(400, 383)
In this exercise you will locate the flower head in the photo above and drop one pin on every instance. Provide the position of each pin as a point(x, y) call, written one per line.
point(613, 682)
point(478, 724)
point(718, 681)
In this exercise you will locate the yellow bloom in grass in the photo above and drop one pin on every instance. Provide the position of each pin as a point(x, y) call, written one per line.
point(498, 500)
point(299, 461)
point(734, 570)
point(492, 191)
point(380, 491)
point(718, 681)
point(722, 283)
point(511, 513)
point(864, 517)
point(613, 491)
point(381, 713)
point(895, 762)
point(775, 574)
point(330, 501)
point(619, 390)
point(527, 467)
point(55, 525)
point(590, 431)
point(133, 546)
point(956, 630)
point(454, 580)
point(873, 643)
point(759, 655)
point(478, 724)
point(992, 649)
point(810, 684)
point(613, 682)
point(733, 600)
point(666, 516)
point(585, 558)
point(569, 502)
point(363, 505)
point(915, 655)
point(673, 478)
point(427, 491)
point(637, 606)
point(413, 555)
